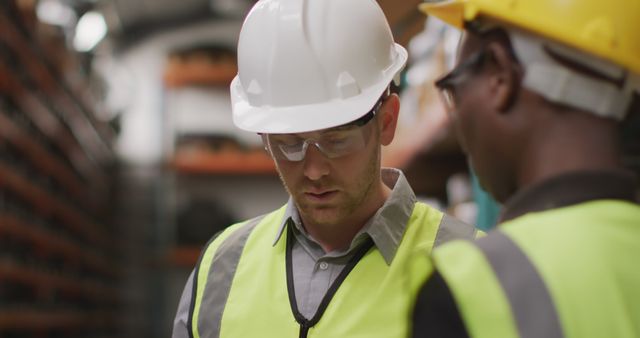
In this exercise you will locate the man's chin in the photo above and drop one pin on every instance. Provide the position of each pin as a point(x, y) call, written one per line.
point(321, 215)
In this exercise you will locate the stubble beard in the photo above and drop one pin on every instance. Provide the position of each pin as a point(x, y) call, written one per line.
point(351, 198)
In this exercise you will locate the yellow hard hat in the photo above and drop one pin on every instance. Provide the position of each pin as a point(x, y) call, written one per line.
point(607, 29)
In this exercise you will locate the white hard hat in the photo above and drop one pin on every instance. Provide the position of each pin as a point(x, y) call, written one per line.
point(307, 65)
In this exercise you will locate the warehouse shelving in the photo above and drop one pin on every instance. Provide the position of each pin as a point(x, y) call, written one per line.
point(60, 264)
point(227, 162)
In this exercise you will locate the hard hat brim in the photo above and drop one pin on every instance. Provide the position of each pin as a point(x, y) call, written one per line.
point(311, 117)
point(449, 11)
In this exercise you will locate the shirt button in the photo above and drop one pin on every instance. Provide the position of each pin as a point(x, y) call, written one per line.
point(324, 266)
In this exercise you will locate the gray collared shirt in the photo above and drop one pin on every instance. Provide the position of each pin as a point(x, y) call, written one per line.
point(313, 269)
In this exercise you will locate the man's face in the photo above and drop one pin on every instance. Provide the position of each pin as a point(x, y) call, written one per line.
point(333, 191)
point(475, 119)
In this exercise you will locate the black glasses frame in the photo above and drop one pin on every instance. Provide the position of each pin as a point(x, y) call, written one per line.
point(452, 78)
point(364, 119)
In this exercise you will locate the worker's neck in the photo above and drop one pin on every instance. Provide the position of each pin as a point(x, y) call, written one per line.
point(338, 237)
point(578, 144)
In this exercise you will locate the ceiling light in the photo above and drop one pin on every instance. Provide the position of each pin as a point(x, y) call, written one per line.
point(55, 13)
point(90, 31)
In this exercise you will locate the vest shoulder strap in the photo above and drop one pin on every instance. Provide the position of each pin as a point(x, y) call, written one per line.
point(531, 303)
point(216, 266)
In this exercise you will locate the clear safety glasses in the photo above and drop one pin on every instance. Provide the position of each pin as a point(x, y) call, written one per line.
point(333, 143)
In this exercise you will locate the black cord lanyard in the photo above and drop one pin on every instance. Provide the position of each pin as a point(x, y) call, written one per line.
point(306, 324)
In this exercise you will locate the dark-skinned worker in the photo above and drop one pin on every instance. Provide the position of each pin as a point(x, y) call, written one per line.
point(536, 98)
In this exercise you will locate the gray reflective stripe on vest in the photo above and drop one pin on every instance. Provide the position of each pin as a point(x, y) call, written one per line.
point(451, 228)
point(218, 285)
point(531, 303)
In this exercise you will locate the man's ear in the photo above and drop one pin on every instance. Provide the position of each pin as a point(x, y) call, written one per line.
point(506, 76)
point(388, 119)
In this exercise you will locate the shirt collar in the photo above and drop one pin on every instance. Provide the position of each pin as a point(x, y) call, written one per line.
point(571, 188)
point(386, 227)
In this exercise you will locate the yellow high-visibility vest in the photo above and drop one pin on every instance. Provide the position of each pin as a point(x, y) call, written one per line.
point(242, 287)
point(569, 272)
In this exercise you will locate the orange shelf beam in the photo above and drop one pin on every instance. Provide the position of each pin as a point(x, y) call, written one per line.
point(224, 162)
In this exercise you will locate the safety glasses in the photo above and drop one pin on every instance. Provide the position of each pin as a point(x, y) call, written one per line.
point(333, 143)
point(447, 84)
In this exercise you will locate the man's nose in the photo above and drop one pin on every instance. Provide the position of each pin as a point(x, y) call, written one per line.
point(316, 164)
